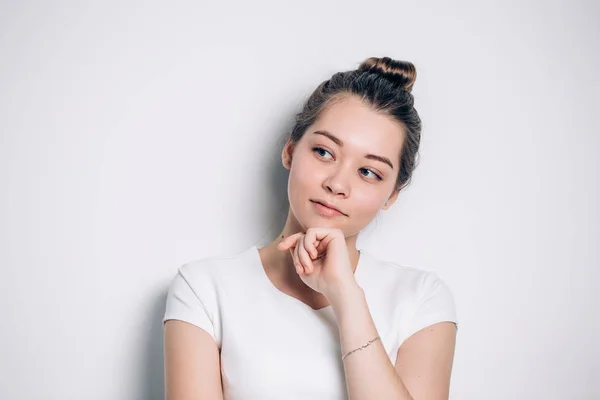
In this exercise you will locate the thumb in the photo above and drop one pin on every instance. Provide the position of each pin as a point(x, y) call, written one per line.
point(288, 241)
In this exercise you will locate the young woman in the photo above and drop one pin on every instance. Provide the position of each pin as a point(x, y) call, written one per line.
point(309, 316)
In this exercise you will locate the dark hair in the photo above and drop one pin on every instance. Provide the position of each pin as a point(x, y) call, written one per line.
point(384, 85)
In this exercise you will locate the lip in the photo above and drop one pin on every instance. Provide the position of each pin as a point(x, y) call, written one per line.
point(326, 209)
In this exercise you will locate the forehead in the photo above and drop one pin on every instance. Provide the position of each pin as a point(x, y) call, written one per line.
point(360, 128)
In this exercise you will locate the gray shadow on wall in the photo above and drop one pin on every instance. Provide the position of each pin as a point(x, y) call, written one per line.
point(152, 383)
point(277, 208)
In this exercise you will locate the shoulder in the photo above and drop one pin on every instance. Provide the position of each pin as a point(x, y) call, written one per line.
point(408, 285)
point(410, 279)
point(418, 297)
point(212, 268)
point(202, 279)
point(195, 290)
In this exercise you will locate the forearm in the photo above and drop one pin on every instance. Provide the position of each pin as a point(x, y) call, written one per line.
point(369, 372)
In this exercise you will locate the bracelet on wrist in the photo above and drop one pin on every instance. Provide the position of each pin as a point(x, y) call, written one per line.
point(361, 347)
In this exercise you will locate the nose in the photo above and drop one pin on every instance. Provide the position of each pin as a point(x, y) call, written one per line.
point(337, 184)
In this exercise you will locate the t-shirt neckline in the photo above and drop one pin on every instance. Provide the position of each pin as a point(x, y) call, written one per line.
point(265, 278)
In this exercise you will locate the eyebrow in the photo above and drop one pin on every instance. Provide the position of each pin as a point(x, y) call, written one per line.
point(341, 144)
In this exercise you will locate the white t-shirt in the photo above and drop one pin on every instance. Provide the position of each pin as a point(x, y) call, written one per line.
point(272, 345)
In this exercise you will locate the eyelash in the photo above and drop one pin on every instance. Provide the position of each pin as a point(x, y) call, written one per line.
point(315, 149)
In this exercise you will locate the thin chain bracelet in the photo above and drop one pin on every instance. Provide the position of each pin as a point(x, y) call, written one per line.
point(361, 347)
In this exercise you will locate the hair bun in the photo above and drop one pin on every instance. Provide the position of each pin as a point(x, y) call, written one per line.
point(402, 72)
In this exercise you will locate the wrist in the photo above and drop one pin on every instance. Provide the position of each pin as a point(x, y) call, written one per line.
point(344, 295)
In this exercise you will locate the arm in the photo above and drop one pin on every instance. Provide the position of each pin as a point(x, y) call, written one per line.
point(422, 370)
point(424, 361)
point(192, 363)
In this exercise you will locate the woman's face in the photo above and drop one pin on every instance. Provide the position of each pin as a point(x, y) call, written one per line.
point(345, 173)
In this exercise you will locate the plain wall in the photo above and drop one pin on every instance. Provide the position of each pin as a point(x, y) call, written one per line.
point(135, 137)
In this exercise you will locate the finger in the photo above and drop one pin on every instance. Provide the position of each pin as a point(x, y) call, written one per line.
point(309, 244)
point(295, 258)
point(299, 246)
point(288, 241)
point(322, 247)
point(325, 236)
point(297, 266)
point(305, 258)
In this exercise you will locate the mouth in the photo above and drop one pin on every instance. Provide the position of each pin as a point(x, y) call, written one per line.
point(326, 210)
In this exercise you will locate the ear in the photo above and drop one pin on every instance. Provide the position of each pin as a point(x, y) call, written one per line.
point(391, 200)
point(286, 154)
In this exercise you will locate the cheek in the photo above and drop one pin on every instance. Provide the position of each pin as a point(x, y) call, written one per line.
point(299, 183)
point(304, 173)
point(368, 201)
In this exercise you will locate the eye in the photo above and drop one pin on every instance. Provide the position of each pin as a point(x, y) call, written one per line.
point(320, 150)
point(376, 175)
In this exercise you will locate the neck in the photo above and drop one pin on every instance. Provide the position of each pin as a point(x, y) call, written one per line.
point(282, 262)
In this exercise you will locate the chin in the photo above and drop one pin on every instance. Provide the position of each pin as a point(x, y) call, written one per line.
point(314, 220)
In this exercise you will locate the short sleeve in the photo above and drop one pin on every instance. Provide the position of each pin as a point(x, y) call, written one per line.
point(184, 303)
point(435, 304)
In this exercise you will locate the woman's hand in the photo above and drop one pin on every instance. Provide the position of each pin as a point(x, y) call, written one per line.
point(321, 258)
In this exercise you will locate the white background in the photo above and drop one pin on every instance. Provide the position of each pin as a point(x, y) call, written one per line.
point(137, 137)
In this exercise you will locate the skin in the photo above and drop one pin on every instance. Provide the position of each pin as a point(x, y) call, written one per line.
point(339, 175)
point(314, 258)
